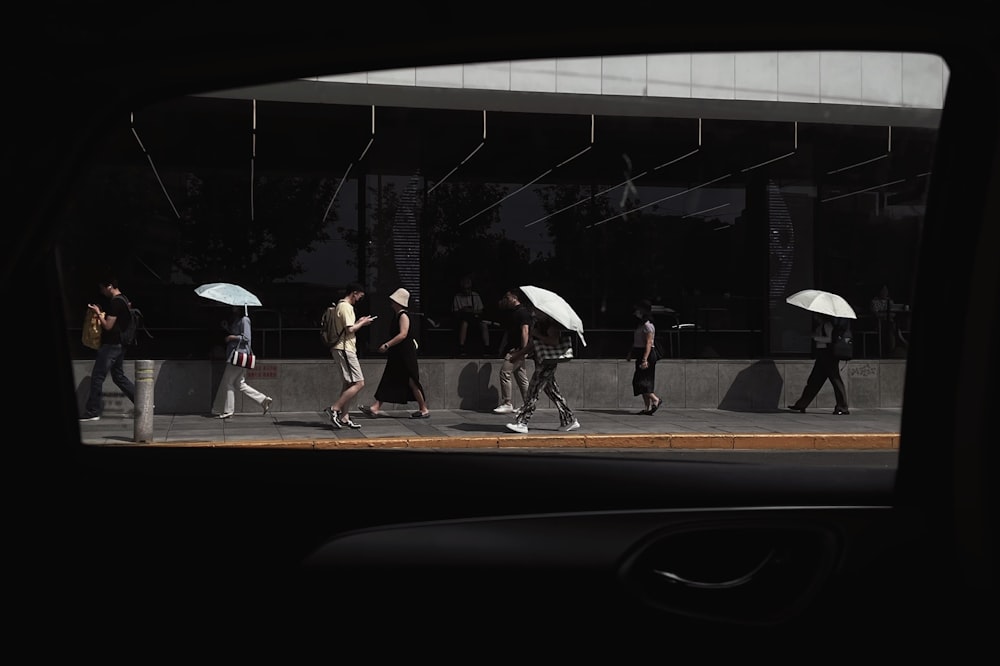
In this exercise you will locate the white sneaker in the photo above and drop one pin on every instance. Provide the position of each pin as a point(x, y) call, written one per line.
point(518, 427)
point(572, 426)
point(505, 408)
point(90, 418)
point(266, 404)
point(224, 416)
point(350, 424)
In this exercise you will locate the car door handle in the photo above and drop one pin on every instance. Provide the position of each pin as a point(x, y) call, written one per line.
point(721, 585)
point(750, 572)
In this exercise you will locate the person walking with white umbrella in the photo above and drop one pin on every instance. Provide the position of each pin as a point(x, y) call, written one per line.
point(238, 336)
point(549, 347)
point(827, 308)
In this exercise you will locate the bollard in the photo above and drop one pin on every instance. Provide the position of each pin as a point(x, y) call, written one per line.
point(143, 427)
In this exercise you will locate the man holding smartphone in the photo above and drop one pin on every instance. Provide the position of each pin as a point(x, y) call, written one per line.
point(345, 350)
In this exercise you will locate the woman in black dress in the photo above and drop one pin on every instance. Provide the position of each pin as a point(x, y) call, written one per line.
point(400, 381)
point(644, 352)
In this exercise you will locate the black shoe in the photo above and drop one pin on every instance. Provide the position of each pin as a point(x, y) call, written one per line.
point(652, 410)
point(839, 410)
point(801, 410)
point(334, 417)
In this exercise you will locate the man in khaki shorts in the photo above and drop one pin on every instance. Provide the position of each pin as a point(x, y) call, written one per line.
point(345, 350)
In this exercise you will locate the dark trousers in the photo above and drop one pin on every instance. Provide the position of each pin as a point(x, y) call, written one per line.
point(825, 367)
point(887, 337)
point(110, 358)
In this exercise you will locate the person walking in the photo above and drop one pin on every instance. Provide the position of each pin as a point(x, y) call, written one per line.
point(825, 367)
point(549, 348)
point(111, 352)
point(644, 352)
point(400, 381)
point(518, 335)
point(345, 350)
point(238, 336)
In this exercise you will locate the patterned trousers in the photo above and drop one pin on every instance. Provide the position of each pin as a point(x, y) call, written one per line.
point(544, 378)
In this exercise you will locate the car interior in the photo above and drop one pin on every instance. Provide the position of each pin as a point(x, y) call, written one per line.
point(155, 546)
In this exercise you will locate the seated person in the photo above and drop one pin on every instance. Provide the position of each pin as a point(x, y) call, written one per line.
point(885, 319)
point(468, 308)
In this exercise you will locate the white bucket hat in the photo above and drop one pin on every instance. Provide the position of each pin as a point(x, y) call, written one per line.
point(401, 296)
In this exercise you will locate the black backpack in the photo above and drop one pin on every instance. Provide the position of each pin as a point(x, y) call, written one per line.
point(129, 330)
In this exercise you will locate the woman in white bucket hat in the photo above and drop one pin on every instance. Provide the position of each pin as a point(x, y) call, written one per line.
point(400, 381)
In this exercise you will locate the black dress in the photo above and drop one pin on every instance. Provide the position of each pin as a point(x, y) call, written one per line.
point(643, 379)
point(400, 367)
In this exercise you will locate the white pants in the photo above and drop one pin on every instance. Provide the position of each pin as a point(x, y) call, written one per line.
point(234, 377)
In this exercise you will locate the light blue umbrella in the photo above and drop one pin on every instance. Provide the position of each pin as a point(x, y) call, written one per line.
point(230, 294)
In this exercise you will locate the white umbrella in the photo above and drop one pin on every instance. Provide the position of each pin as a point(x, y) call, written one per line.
point(823, 302)
point(556, 307)
point(225, 292)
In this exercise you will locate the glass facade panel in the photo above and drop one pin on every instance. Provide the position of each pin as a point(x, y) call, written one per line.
point(714, 219)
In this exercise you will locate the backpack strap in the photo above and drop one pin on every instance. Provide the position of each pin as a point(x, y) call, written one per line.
point(331, 311)
point(133, 313)
point(128, 305)
point(340, 333)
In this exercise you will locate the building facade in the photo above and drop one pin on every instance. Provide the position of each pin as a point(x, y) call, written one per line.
point(712, 184)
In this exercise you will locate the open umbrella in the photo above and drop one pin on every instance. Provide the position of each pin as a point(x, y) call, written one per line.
point(823, 302)
point(225, 292)
point(556, 307)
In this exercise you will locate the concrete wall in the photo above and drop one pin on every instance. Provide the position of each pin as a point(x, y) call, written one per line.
point(311, 385)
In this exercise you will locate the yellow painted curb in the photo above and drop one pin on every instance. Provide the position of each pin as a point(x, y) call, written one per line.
point(708, 441)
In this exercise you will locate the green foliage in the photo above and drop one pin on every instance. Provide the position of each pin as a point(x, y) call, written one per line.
point(223, 238)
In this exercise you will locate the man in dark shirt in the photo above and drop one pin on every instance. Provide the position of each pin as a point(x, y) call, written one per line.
point(111, 353)
point(518, 331)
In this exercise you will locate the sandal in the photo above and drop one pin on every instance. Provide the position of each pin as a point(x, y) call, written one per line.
point(420, 415)
point(369, 412)
point(652, 410)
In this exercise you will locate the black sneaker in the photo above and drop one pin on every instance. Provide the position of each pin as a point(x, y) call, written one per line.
point(334, 417)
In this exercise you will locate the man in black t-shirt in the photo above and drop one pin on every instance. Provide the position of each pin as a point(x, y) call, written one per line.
point(518, 332)
point(111, 353)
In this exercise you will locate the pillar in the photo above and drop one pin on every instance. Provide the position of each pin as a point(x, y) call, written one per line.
point(143, 422)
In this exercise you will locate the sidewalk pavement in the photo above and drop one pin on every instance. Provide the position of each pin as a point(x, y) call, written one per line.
point(817, 429)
